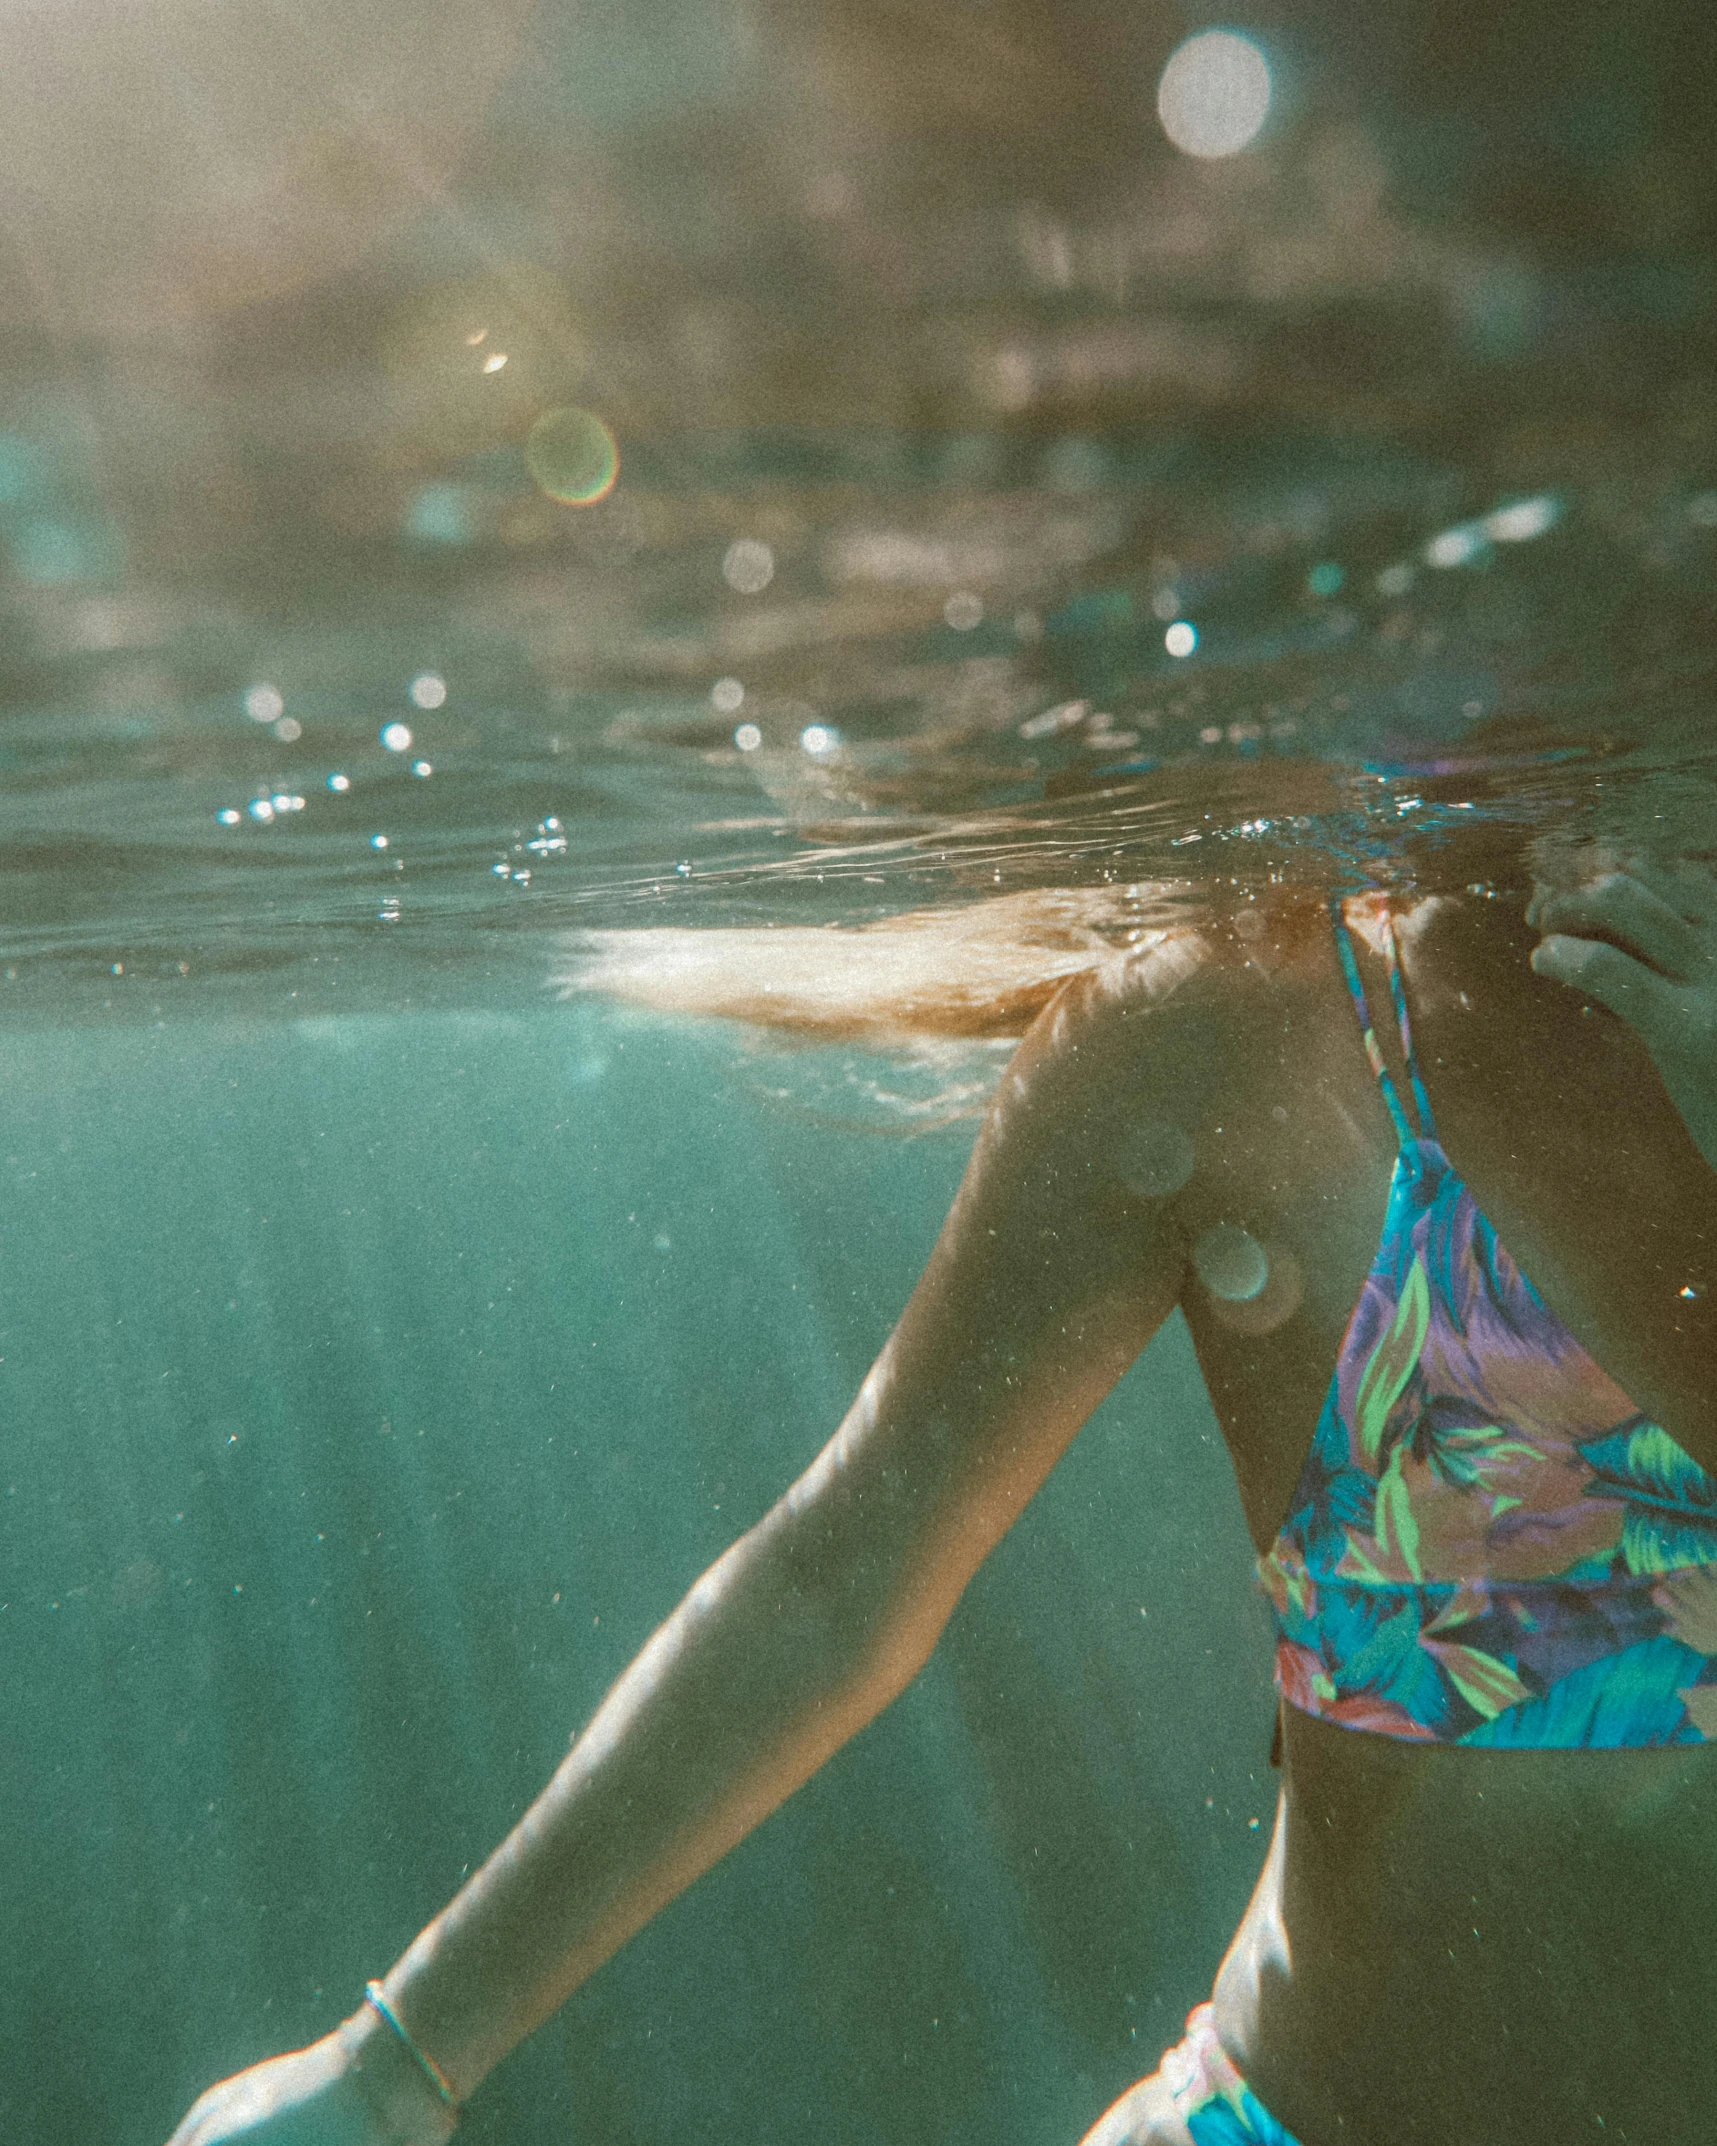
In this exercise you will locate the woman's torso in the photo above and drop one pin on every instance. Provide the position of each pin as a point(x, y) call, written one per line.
point(1450, 1945)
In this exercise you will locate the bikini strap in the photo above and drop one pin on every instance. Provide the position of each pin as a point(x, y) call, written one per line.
point(1350, 966)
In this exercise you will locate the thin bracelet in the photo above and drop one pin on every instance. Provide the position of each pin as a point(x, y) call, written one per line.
point(431, 2070)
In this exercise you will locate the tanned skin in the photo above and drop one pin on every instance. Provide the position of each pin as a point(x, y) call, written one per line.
point(1447, 1947)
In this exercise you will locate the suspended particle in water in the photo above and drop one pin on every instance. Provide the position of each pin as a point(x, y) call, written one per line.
point(229, 815)
point(817, 738)
point(378, 841)
point(261, 808)
point(289, 730)
point(1231, 1263)
point(727, 695)
point(396, 737)
point(1181, 638)
point(427, 690)
point(963, 611)
point(573, 457)
point(338, 783)
point(423, 767)
point(748, 737)
point(264, 704)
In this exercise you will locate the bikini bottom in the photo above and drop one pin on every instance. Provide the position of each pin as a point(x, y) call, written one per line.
point(1216, 2105)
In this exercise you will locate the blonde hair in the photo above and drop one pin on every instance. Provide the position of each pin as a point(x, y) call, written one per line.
point(983, 971)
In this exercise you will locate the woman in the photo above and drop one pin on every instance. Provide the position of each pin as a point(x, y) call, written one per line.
point(1492, 1542)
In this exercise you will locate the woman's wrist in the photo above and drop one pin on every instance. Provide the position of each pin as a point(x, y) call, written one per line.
point(408, 2108)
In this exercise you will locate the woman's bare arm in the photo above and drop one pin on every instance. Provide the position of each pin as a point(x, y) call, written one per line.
point(1047, 1280)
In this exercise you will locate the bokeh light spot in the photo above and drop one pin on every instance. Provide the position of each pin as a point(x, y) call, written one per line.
point(573, 457)
point(439, 514)
point(263, 704)
point(1523, 519)
point(396, 737)
point(427, 690)
point(727, 695)
point(748, 567)
point(748, 737)
point(1181, 638)
point(1214, 94)
point(1459, 546)
point(1231, 1263)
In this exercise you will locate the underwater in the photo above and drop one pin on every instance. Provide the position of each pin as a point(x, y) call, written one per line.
point(603, 607)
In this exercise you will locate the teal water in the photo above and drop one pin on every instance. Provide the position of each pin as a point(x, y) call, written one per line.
point(375, 1385)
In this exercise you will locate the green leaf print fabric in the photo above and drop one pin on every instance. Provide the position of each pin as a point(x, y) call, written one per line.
point(1489, 1543)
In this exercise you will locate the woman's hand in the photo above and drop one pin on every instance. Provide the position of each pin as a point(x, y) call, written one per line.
point(1642, 940)
point(358, 2086)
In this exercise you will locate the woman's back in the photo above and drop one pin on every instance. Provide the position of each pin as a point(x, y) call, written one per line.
point(1447, 1944)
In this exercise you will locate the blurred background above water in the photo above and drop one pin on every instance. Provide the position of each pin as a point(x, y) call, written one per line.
point(1016, 409)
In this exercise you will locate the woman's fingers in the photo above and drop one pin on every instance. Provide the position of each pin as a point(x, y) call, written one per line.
point(1603, 972)
point(1631, 915)
point(1687, 886)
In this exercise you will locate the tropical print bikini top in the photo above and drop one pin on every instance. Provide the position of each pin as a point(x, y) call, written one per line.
point(1489, 1543)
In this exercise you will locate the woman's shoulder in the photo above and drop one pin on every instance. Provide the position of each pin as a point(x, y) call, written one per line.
point(1193, 1012)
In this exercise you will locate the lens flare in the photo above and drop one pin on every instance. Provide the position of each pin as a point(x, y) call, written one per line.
point(573, 457)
